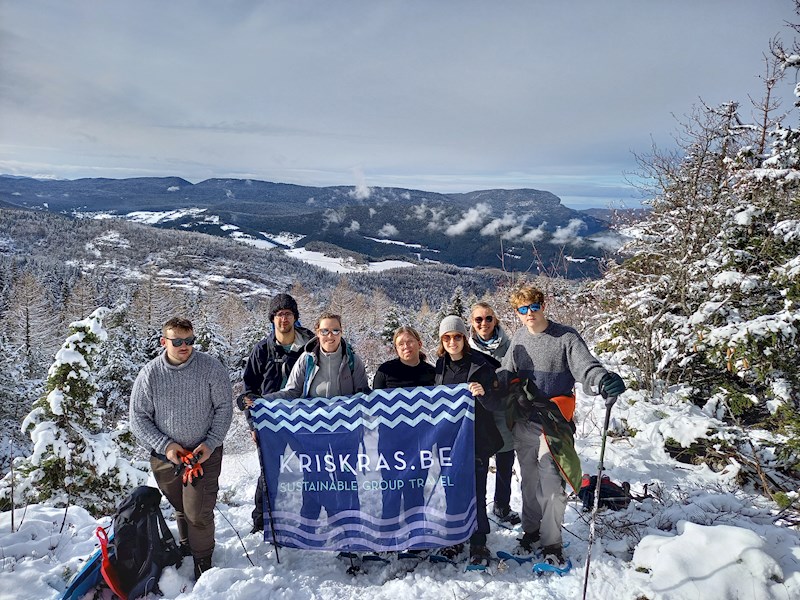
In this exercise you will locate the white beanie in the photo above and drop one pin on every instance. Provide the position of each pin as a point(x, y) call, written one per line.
point(452, 323)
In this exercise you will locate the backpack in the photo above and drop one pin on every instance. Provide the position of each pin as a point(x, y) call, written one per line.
point(612, 496)
point(142, 545)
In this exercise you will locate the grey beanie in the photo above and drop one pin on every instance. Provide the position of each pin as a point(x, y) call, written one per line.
point(452, 323)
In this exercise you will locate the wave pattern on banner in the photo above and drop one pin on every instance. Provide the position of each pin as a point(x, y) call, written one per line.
point(409, 406)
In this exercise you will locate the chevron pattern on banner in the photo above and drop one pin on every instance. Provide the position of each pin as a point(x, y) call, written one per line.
point(391, 470)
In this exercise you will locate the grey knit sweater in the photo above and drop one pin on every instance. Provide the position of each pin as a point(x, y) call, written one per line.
point(554, 359)
point(188, 403)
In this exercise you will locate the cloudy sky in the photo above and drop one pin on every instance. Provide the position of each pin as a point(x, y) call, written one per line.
point(447, 95)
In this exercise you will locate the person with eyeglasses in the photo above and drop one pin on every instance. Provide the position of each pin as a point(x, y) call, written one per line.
point(459, 364)
point(409, 370)
point(552, 357)
point(328, 367)
point(488, 336)
point(267, 370)
point(181, 408)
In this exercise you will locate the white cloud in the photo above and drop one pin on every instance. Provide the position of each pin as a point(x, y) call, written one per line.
point(507, 220)
point(469, 220)
point(535, 235)
point(388, 230)
point(362, 191)
point(353, 227)
point(569, 233)
point(173, 188)
point(372, 212)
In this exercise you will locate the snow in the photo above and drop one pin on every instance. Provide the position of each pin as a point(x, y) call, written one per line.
point(154, 217)
point(694, 535)
point(343, 265)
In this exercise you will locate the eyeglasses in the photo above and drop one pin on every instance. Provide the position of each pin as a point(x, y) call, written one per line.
point(523, 310)
point(284, 314)
point(456, 337)
point(178, 342)
point(480, 320)
point(329, 331)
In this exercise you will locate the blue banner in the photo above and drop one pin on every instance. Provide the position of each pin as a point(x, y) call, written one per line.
point(392, 470)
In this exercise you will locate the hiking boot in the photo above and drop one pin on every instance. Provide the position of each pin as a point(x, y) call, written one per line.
point(185, 549)
point(201, 565)
point(479, 555)
point(257, 526)
point(450, 552)
point(528, 543)
point(554, 555)
point(504, 514)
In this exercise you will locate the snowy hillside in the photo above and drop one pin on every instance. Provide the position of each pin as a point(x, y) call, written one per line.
point(693, 537)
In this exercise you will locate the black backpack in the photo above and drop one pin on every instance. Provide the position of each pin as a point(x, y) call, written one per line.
point(613, 496)
point(142, 544)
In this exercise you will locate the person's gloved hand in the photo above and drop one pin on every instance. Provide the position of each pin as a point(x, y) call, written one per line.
point(611, 386)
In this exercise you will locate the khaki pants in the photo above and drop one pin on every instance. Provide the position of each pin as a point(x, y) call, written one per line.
point(543, 499)
point(193, 504)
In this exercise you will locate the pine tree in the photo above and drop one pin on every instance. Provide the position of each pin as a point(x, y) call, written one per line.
point(390, 323)
point(74, 459)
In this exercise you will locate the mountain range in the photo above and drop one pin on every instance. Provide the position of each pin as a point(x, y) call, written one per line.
point(517, 230)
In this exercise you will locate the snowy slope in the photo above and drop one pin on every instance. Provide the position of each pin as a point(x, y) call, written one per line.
point(696, 537)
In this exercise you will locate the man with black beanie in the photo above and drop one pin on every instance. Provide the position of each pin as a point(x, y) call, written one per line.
point(268, 367)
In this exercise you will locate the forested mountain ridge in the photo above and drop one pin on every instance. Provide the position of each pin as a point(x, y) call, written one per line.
point(469, 229)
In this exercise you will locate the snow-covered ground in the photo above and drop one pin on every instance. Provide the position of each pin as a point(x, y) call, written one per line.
point(695, 537)
point(343, 265)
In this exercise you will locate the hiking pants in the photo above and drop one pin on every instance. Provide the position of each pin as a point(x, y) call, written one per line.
point(504, 463)
point(193, 504)
point(543, 499)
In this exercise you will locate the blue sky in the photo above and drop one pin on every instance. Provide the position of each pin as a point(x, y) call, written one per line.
point(435, 95)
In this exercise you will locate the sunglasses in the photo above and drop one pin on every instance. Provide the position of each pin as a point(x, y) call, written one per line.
point(329, 331)
point(456, 337)
point(523, 310)
point(178, 342)
point(480, 320)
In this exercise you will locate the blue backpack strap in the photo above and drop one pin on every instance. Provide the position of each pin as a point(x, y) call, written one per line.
point(307, 378)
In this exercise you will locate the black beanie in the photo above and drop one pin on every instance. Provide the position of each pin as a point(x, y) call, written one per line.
point(283, 302)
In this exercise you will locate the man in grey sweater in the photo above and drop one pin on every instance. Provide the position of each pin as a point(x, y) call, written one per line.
point(554, 357)
point(181, 409)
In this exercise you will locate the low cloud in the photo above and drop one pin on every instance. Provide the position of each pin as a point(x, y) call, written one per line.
point(535, 235)
point(494, 226)
point(569, 233)
point(352, 228)
point(471, 219)
point(372, 212)
point(387, 231)
point(362, 191)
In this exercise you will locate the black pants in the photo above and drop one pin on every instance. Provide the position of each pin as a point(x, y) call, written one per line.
point(481, 474)
point(258, 510)
point(504, 461)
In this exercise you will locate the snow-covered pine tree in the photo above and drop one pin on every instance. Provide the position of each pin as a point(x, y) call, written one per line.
point(74, 459)
point(391, 322)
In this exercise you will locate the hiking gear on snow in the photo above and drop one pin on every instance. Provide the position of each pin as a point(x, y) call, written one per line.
point(506, 515)
point(611, 386)
point(600, 468)
point(450, 552)
point(201, 565)
point(283, 302)
point(142, 545)
point(613, 496)
point(528, 543)
point(552, 563)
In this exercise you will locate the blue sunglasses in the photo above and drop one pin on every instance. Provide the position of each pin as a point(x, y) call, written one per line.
point(523, 310)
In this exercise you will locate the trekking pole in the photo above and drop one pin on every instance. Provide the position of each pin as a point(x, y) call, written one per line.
point(600, 468)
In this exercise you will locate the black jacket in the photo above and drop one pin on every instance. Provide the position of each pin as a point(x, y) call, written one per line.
point(395, 374)
point(487, 438)
point(269, 365)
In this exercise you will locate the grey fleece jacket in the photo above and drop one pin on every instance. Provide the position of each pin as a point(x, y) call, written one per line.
point(554, 359)
point(188, 404)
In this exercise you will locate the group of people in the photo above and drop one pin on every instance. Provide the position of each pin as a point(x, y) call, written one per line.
point(181, 406)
